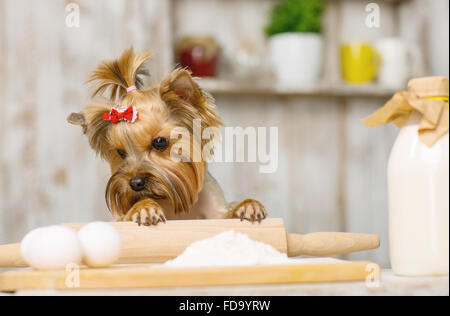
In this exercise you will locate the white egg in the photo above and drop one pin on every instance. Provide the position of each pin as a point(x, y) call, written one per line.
point(101, 244)
point(51, 248)
point(29, 240)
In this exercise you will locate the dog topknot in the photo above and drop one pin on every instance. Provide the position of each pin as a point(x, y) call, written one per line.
point(113, 77)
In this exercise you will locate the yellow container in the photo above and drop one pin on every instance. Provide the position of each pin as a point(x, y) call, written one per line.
point(360, 62)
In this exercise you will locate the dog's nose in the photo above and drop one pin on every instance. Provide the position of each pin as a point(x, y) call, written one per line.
point(137, 184)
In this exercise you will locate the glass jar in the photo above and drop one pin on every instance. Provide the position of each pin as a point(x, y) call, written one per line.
point(200, 55)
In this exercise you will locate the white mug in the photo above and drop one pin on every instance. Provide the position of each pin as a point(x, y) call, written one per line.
point(400, 62)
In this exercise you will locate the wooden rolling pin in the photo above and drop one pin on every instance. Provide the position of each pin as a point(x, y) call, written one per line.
point(160, 243)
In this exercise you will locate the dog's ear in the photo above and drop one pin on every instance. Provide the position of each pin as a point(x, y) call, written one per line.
point(180, 92)
point(78, 119)
point(180, 84)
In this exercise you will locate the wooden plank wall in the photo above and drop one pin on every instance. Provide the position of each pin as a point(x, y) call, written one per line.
point(48, 173)
point(331, 173)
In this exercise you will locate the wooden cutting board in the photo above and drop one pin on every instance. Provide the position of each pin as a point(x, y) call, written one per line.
point(147, 276)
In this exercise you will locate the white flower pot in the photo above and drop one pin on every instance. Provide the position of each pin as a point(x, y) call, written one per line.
point(296, 58)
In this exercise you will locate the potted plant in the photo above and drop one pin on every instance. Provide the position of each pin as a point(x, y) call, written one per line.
point(295, 44)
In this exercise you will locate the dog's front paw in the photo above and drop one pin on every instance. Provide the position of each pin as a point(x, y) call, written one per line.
point(147, 213)
point(250, 210)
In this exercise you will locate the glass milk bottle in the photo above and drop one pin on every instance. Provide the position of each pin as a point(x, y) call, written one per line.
point(418, 186)
point(418, 178)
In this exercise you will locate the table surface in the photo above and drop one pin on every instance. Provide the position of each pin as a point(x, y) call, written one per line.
point(388, 285)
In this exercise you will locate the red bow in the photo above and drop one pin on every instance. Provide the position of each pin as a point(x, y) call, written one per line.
point(124, 114)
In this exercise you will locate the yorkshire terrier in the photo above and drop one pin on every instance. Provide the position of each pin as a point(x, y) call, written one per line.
point(131, 130)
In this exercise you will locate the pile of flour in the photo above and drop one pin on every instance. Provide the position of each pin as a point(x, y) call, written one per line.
point(228, 249)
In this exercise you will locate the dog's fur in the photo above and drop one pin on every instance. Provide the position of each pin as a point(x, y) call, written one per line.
point(173, 190)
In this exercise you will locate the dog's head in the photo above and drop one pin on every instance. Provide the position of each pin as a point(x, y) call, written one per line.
point(146, 160)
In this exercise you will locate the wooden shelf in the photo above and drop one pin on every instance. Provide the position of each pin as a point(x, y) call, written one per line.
point(228, 87)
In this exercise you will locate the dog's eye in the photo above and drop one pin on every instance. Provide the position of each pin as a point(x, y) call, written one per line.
point(160, 143)
point(122, 153)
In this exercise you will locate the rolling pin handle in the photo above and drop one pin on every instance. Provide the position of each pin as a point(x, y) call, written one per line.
point(327, 244)
point(11, 256)
point(294, 245)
